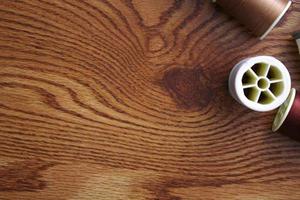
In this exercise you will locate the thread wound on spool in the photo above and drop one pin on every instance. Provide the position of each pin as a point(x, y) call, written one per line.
point(258, 16)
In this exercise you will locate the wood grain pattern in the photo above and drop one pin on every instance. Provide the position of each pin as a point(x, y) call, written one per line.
point(110, 99)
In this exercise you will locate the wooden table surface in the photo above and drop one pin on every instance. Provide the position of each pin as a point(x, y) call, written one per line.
point(128, 99)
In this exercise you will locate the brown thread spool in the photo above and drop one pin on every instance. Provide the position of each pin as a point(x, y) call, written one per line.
point(259, 16)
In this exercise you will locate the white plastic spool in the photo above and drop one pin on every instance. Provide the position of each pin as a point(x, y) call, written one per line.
point(260, 83)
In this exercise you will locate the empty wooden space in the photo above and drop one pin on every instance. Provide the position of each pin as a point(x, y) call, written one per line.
point(128, 99)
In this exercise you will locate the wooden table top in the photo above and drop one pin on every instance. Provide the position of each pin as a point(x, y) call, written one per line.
point(110, 99)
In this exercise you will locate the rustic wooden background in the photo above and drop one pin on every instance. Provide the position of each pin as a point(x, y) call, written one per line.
point(128, 99)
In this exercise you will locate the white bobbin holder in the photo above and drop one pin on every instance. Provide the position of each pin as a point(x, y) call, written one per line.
point(260, 83)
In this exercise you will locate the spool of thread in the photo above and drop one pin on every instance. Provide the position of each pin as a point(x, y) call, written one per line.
point(259, 16)
point(287, 120)
point(297, 38)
